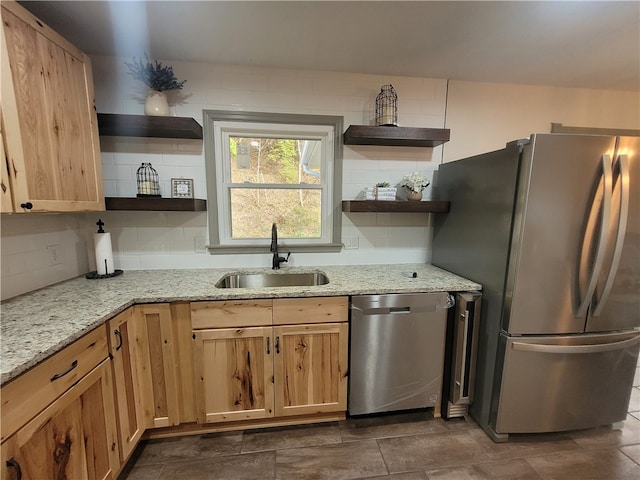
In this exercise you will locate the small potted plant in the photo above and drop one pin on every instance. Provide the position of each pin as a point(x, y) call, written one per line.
point(159, 78)
point(415, 183)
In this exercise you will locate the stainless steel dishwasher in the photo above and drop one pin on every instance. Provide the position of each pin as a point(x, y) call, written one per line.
point(396, 351)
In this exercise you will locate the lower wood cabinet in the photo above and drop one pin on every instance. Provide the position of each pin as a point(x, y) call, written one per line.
point(157, 365)
point(30, 393)
point(81, 413)
point(310, 368)
point(235, 369)
point(257, 372)
point(122, 336)
point(73, 438)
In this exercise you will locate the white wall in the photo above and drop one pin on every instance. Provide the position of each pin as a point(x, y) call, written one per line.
point(481, 117)
point(485, 116)
point(144, 240)
point(42, 249)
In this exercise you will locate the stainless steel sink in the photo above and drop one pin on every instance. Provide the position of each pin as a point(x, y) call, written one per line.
point(266, 280)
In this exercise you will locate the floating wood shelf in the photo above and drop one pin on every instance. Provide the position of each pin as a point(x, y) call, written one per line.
point(395, 136)
point(397, 206)
point(117, 125)
point(156, 204)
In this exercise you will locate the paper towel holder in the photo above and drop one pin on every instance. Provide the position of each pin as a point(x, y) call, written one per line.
point(95, 275)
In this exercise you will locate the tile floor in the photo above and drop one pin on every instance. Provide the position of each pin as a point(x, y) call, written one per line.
point(407, 446)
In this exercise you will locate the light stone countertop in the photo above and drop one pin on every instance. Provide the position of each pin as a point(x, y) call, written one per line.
point(36, 325)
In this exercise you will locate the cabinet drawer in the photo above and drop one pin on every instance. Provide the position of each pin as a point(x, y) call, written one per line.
point(289, 311)
point(231, 314)
point(25, 396)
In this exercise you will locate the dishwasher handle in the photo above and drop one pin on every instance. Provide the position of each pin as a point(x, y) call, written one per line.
point(395, 310)
point(376, 307)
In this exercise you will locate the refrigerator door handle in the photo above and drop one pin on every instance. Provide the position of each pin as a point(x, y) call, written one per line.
point(623, 164)
point(601, 347)
point(607, 180)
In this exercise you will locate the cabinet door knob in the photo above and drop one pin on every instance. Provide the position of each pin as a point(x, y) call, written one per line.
point(26, 205)
point(13, 463)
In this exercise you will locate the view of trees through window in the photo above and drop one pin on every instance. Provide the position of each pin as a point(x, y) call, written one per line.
point(275, 180)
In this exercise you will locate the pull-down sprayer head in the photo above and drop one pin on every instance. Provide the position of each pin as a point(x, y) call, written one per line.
point(274, 239)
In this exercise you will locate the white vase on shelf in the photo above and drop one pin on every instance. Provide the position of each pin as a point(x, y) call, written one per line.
point(157, 104)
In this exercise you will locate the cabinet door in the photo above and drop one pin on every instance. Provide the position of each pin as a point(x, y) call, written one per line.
point(157, 365)
point(181, 320)
point(30, 393)
point(50, 120)
point(310, 368)
point(122, 343)
point(6, 203)
point(234, 370)
point(73, 438)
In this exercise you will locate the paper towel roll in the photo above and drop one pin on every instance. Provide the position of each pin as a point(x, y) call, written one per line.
point(104, 253)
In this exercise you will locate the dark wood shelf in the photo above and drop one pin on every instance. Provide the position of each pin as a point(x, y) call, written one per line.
point(156, 204)
point(395, 136)
point(397, 206)
point(117, 125)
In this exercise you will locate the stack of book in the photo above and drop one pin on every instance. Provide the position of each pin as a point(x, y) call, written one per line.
point(380, 193)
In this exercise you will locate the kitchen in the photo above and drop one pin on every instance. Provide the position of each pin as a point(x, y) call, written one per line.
point(161, 240)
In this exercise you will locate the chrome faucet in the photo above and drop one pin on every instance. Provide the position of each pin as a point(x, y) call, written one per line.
point(277, 259)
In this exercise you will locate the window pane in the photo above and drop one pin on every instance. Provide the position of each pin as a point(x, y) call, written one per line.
point(295, 211)
point(275, 160)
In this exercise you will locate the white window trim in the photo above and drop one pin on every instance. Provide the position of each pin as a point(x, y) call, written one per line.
point(220, 125)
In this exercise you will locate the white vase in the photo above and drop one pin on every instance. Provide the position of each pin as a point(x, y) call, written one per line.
point(416, 196)
point(156, 104)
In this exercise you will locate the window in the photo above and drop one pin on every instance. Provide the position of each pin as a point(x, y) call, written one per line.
point(267, 168)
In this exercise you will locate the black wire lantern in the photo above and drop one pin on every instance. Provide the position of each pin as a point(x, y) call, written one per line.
point(387, 106)
point(147, 179)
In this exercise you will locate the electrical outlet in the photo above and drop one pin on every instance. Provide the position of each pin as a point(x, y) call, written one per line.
point(200, 245)
point(54, 255)
point(351, 243)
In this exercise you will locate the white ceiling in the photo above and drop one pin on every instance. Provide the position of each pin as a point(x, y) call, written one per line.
point(589, 44)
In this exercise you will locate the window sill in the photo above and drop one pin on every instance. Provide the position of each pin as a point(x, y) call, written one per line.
point(282, 248)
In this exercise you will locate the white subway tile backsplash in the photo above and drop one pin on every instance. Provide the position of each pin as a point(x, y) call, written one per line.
point(167, 239)
point(290, 84)
point(188, 220)
point(118, 172)
point(244, 82)
point(111, 188)
point(127, 188)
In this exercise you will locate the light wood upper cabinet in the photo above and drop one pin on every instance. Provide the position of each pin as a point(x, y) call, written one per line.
point(73, 438)
point(122, 334)
point(50, 123)
point(6, 202)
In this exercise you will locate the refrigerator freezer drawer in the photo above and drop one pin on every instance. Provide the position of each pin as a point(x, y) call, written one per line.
point(562, 383)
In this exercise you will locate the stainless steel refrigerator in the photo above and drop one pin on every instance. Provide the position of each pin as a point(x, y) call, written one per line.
point(550, 226)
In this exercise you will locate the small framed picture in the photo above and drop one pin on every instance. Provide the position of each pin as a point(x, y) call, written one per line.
point(181, 188)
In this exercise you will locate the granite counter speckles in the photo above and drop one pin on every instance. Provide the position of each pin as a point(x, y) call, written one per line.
point(37, 325)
